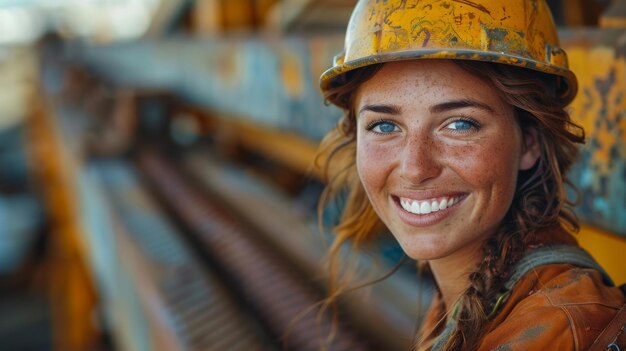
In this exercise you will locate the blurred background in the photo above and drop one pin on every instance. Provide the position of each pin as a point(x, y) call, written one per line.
point(158, 188)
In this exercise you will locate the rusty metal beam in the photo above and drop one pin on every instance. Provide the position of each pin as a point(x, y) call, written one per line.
point(72, 291)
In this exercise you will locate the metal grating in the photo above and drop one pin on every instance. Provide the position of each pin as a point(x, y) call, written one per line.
point(201, 314)
point(276, 292)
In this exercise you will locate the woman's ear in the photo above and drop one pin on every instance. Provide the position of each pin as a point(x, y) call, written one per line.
point(531, 150)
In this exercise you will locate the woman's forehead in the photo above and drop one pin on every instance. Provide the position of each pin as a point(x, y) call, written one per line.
point(426, 81)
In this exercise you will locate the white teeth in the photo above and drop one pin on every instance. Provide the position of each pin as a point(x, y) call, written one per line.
point(434, 206)
point(415, 207)
point(426, 207)
point(443, 204)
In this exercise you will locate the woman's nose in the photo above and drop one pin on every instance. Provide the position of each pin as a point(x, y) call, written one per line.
point(420, 159)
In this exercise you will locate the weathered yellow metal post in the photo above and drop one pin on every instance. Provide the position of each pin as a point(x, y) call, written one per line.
point(596, 56)
point(73, 296)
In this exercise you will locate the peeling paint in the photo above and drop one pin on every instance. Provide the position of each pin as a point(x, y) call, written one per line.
point(474, 5)
point(600, 109)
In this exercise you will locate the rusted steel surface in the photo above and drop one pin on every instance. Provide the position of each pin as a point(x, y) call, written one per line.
point(274, 290)
point(269, 81)
point(163, 298)
point(599, 59)
point(137, 64)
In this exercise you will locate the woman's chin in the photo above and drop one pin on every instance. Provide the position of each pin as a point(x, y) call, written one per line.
point(425, 252)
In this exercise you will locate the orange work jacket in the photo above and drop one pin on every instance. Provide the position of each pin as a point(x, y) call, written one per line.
point(552, 307)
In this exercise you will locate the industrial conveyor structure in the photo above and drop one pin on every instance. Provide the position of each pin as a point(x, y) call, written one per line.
point(156, 273)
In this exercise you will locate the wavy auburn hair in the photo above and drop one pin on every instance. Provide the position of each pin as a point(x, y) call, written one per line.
point(539, 201)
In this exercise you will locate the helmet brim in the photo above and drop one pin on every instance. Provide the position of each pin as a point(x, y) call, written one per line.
point(566, 83)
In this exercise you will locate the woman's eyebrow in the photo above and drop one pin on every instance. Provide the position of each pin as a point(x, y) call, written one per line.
point(457, 104)
point(386, 109)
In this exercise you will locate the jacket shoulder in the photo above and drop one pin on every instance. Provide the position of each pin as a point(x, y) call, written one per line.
point(558, 306)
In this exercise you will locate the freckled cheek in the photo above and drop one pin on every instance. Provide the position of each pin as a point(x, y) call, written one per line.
point(373, 161)
point(487, 164)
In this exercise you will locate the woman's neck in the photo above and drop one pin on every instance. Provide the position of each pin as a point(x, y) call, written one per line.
point(452, 273)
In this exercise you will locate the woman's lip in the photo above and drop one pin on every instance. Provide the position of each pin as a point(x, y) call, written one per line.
point(426, 195)
point(423, 220)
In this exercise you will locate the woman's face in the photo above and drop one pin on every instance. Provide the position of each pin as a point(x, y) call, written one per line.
point(438, 153)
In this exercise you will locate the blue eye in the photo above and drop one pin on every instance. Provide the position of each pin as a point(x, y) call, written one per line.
point(461, 125)
point(382, 127)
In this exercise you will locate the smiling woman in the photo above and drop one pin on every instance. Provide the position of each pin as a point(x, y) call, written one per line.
point(423, 131)
point(460, 144)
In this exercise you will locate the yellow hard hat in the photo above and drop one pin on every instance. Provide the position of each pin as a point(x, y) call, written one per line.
point(514, 32)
